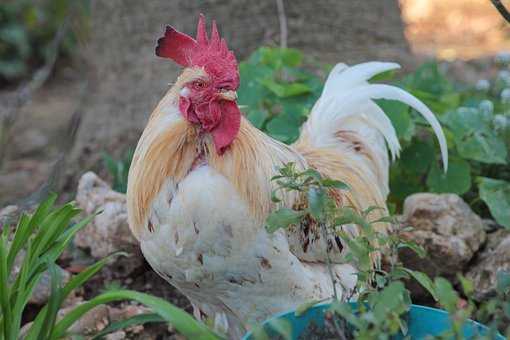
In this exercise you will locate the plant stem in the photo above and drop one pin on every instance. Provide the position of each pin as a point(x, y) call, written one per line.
point(324, 231)
point(282, 18)
point(328, 258)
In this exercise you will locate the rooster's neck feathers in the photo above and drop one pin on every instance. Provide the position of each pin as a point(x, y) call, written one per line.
point(170, 145)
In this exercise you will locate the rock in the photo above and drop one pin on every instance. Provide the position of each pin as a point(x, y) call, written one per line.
point(490, 225)
point(22, 177)
point(31, 142)
point(42, 291)
point(109, 231)
point(447, 228)
point(94, 320)
point(9, 215)
point(493, 258)
point(119, 335)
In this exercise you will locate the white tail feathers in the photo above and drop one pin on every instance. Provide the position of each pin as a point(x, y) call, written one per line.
point(348, 98)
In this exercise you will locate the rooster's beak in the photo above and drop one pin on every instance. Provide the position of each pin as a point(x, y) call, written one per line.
point(228, 95)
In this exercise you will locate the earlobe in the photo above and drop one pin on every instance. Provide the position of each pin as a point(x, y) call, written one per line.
point(184, 107)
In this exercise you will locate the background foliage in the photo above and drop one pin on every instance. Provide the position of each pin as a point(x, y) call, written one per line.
point(27, 29)
point(278, 92)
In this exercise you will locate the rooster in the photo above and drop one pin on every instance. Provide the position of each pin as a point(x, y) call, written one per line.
point(199, 187)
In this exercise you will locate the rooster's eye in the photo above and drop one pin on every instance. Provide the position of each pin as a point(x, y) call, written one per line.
point(198, 84)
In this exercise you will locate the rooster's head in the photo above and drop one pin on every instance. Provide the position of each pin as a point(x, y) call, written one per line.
point(207, 94)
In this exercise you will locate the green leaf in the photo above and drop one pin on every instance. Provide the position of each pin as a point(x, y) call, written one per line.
point(282, 218)
point(317, 202)
point(16, 36)
point(446, 295)
point(400, 117)
point(475, 137)
point(251, 92)
point(496, 194)
point(283, 128)
point(418, 157)
point(331, 183)
point(283, 90)
point(303, 308)
point(425, 281)
point(258, 117)
point(85, 275)
point(467, 285)
point(281, 326)
point(391, 300)
point(54, 301)
point(184, 323)
point(403, 183)
point(429, 79)
point(4, 289)
point(419, 250)
point(457, 180)
point(279, 57)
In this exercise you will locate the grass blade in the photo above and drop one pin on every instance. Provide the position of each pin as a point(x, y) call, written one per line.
point(4, 288)
point(53, 227)
point(182, 321)
point(123, 324)
point(85, 275)
point(23, 232)
point(54, 301)
point(54, 252)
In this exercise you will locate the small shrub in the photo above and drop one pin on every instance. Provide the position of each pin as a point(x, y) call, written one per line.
point(382, 298)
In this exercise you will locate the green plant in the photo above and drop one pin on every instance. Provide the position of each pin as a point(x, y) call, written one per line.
point(277, 92)
point(118, 169)
point(38, 240)
point(27, 29)
point(382, 298)
point(477, 125)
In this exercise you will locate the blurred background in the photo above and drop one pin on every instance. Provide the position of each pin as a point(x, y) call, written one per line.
point(78, 79)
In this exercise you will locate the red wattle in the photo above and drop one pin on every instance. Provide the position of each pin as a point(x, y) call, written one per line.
point(228, 127)
point(221, 118)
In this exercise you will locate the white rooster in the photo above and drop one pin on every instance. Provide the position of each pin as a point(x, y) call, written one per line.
point(200, 183)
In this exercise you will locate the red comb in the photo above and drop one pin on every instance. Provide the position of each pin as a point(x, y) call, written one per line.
point(203, 51)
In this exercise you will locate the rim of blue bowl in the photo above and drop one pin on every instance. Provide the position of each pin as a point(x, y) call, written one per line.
point(248, 334)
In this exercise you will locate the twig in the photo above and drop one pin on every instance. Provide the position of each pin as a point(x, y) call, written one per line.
point(501, 9)
point(283, 23)
point(24, 94)
point(328, 259)
point(333, 281)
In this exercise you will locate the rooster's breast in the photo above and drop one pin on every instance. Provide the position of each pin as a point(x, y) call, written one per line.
point(205, 242)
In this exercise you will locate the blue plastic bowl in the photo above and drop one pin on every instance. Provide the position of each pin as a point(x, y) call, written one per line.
point(422, 321)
